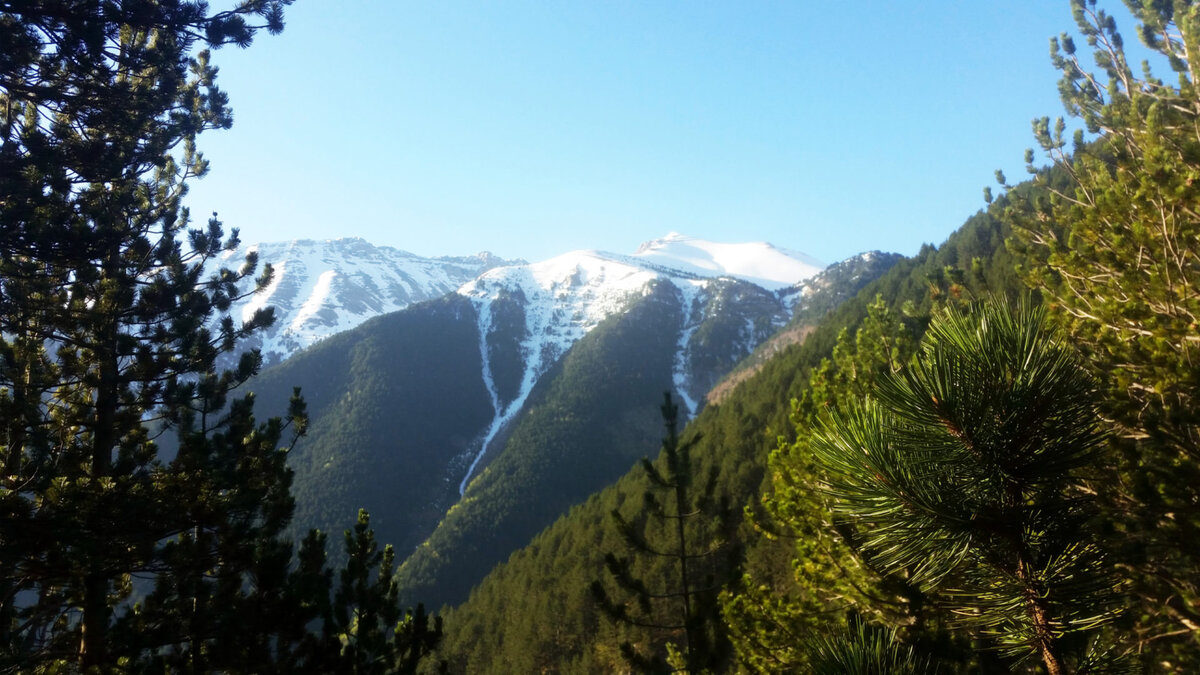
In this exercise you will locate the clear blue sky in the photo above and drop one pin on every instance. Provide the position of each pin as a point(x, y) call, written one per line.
point(534, 128)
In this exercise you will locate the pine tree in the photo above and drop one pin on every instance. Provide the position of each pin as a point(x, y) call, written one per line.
point(372, 635)
point(141, 504)
point(768, 624)
point(1112, 242)
point(106, 320)
point(681, 604)
point(864, 650)
point(965, 472)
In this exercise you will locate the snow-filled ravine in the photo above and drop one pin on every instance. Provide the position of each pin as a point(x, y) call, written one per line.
point(567, 296)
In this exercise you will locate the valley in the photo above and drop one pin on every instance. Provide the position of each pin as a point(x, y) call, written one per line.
point(556, 367)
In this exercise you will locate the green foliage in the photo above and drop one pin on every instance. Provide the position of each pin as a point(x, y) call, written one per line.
point(864, 650)
point(104, 330)
point(965, 473)
point(1111, 241)
point(363, 629)
point(671, 524)
point(803, 573)
point(121, 551)
point(829, 580)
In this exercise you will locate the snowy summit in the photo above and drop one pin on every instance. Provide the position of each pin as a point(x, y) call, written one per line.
point(759, 263)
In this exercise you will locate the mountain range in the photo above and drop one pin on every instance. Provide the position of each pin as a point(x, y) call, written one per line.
point(320, 288)
point(468, 420)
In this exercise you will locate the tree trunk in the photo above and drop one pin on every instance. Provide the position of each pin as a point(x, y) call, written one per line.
point(1035, 605)
point(93, 649)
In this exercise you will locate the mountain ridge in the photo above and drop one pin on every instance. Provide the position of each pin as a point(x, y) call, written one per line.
point(426, 416)
point(323, 287)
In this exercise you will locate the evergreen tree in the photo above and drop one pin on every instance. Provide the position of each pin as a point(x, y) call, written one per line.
point(965, 473)
point(119, 551)
point(864, 650)
point(769, 619)
point(683, 605)
point(1112, 242)
point(363, 629)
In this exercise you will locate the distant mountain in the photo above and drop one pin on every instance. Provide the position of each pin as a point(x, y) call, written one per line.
point(467, 423)
point(534, 612)
point(321, 288)
point(810, 301)
point(759, 263)
point(542, 309)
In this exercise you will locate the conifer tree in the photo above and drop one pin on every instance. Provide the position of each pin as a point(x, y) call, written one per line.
point(965, 473)
point(863, 650)
point(375, 636)
point(1112, 243)
point(767, 624)
point(682, 603)
point(116, 553)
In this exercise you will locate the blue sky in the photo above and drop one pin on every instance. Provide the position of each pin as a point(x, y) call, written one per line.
point(534, 128)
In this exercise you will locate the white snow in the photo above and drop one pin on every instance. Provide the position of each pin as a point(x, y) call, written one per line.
point(757, 262)
point(498, 416)
point(259, 299)
point(693, 315)
point(324, 287)
point(320, 291)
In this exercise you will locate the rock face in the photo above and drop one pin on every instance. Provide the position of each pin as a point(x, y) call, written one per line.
point(325, 287)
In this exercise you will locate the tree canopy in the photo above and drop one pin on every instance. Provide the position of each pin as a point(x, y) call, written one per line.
point(141, 504)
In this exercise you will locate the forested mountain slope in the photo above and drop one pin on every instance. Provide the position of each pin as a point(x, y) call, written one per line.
point(392, 404)
point(535, 614)
point(480, 417)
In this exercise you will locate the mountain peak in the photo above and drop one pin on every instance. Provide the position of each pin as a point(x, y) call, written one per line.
point(760, 263)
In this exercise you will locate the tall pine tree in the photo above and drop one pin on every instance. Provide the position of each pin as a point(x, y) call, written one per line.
point(679, 606)
point(1112, 242)
point(115, 553)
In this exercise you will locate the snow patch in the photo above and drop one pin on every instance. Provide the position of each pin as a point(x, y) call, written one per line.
point(317, 298)
point(259, 299)
point(692, 315)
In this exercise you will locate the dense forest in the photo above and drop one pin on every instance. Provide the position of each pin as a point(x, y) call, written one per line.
point(986, 460)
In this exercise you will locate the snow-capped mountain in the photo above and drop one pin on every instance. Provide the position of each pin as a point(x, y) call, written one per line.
point(759, 263)
point(561, 299)
point(466, 423)
point(321, 288)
